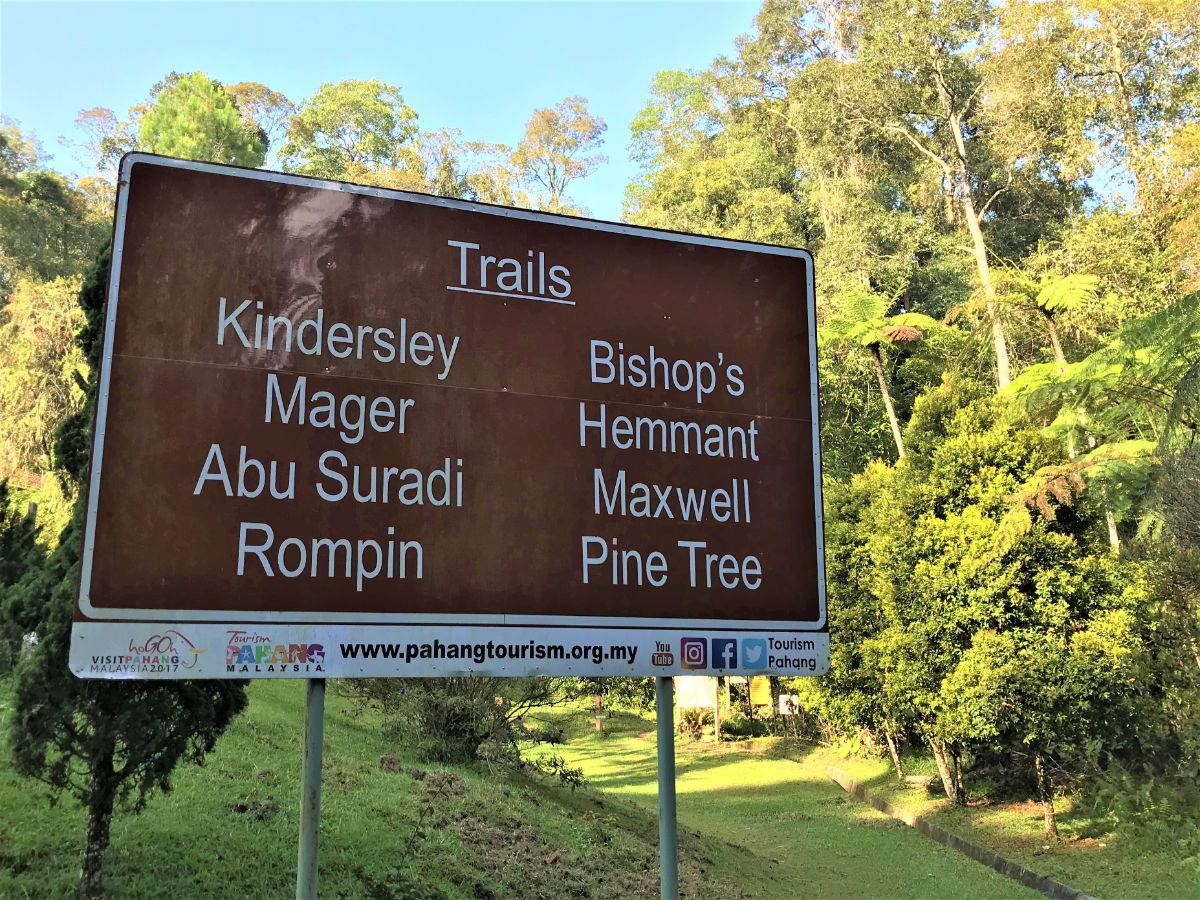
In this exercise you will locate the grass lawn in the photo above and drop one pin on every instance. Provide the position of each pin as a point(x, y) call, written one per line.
point(806, 836)
point(1088, 856)
point(229, 829)
point(752, 825)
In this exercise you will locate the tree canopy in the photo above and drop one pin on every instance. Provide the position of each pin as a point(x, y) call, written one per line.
point(194, 118)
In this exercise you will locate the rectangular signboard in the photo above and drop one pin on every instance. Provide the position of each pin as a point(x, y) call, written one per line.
point(346, 431)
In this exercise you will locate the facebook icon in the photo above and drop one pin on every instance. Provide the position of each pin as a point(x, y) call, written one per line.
point(724, 653)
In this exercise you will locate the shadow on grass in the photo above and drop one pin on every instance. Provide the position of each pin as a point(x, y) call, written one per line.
point(1023, 825)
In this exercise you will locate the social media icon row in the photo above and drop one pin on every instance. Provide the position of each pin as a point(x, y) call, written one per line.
point(694, 653)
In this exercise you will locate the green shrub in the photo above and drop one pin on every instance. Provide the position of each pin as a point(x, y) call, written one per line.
point(1155, 814)
point(456, 720)
point(742, 727)
point(693, 721)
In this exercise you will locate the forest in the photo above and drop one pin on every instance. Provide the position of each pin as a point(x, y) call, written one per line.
point(1003, 203)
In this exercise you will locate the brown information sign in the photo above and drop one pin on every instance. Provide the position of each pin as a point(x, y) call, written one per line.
point(360, 432)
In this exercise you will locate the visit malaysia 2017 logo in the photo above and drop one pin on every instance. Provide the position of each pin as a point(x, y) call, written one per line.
point(249, 652)
point(170, 651)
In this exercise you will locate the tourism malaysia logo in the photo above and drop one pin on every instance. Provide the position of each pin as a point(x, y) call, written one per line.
point(248, 651)
point(170, 651)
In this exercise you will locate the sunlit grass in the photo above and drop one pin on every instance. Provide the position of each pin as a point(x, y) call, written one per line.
point(753, 824)
point(1088, 856)
point(801, 828)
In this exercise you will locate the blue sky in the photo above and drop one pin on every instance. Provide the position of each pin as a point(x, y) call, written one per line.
point(479, 67)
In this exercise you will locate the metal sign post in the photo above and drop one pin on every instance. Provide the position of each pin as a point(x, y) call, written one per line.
point(668, 838)
point(310, 791)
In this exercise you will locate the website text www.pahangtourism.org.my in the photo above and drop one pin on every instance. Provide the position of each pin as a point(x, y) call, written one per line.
point(480, 652)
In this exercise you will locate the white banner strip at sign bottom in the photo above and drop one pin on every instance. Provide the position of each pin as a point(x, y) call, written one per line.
point(175, 650)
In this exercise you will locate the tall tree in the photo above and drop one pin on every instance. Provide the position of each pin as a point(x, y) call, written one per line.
point(263, 111)
point(48, 228)
point(1058, 295)
point(1136, 63)
point(364, 125)
point(705, 172)
point(560, 145)
point(105, 139)
point(192, 117)
point(863, 320)
point(41, 373)
point(19, 152)
point(940, 76)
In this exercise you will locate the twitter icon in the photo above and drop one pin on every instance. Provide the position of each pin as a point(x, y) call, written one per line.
point(754, 653)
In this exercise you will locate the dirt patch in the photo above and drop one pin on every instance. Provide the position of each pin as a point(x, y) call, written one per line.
point(522, 864)
point(390, 764)
point(1026, 808)
point(516, 857)
point(834, 800)
point(258, 810)
point(338, 777)
point(880, 821)
point(788, 815)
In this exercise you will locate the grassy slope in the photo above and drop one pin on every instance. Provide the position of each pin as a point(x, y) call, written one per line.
point(802, 829)
point(1088, 857)
point(752, 825)
point(229, 828)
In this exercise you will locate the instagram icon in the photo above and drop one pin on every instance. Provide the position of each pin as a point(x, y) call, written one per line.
point(693, 653)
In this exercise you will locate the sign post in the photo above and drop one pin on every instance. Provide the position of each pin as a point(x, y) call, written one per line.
point(317, 400)
point(310, 790)
point(668, 838)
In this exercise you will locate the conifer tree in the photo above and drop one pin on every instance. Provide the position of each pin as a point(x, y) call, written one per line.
point(194, 118)
point(20, 554)
point(104, 742)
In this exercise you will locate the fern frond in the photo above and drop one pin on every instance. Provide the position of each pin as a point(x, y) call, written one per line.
point(1061, 483)
point(1185, 407)
point(1068, 292)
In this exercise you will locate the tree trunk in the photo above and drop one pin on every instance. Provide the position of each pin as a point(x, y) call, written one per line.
point(1052, 329)
point(100, 808)
point(962, 185)
point(891, 744)
point(887, 399)
point(866, 741)
point(999, 342)
point(1114, 536)
point(1046, 794)
point(949, 785)
point(956, 772)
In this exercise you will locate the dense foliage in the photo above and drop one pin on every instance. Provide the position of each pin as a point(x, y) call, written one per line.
point(1003, 200)
point(1009, 373)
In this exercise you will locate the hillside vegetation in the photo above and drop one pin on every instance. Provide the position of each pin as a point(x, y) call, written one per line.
point(394, 827)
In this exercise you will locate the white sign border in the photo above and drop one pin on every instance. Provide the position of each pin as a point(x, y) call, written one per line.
point(243, 616)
